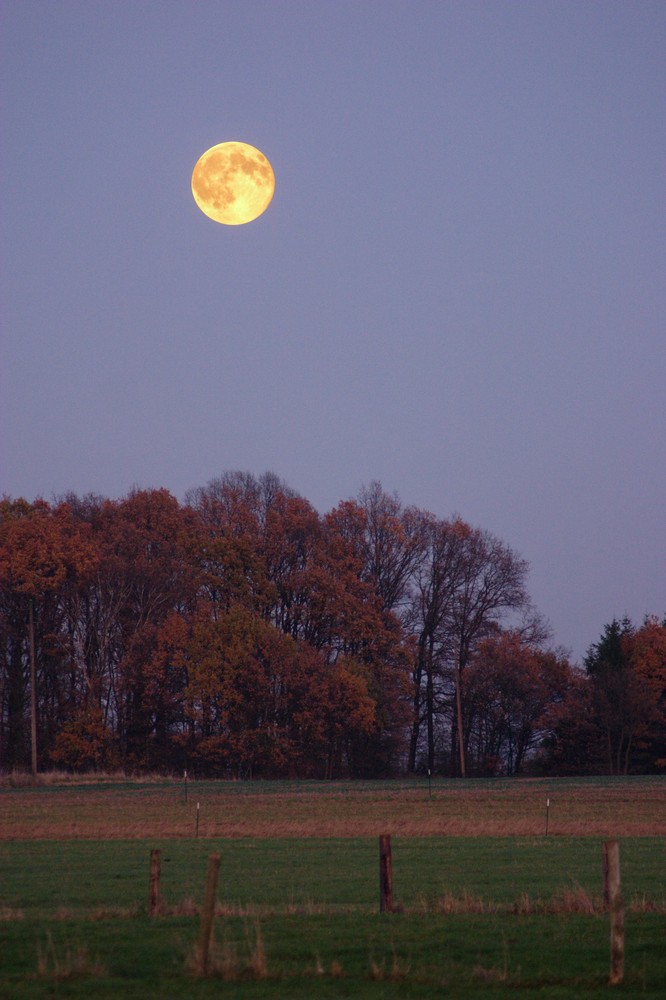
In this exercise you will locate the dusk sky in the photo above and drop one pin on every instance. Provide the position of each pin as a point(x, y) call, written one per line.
point(457, 290)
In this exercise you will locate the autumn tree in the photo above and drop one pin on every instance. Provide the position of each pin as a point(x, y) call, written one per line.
point(146, 566)
point(571, 742)
point(390, 541)
point(492, 586)
point(511, 685)
point(149, 558)
point(306, 578)
point(243, 630)
point(430, 616)
point(648, 661)
point(612, 718)
point(468, 584)
point(43, 551)
point(235, 695)
point(626, 672)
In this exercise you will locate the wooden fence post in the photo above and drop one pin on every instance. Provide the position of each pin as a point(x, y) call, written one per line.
point(208, 912)
point(154, 892)
point(385, 874)
point(604, 870)
point(612, 864)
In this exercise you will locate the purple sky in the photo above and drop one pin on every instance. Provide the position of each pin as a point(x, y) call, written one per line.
point(457, 290)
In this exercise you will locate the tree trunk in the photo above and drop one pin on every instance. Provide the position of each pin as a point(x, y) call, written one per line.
point(627, 755)
point(13, 746)
point(33, 687)
point(430, 708)
point(461, 741)
point(416, 721)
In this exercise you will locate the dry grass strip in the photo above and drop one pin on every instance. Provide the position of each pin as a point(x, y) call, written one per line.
point(138, 811)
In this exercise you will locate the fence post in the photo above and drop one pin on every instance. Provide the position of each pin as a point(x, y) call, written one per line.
point(208, 912)
point(154, 891)
point(612, 865)
point(604, 869)
point(385, 874)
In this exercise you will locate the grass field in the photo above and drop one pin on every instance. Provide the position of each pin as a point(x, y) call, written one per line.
point(610, 807)
point(47, 879)
point(462, 956)
point(493, 911)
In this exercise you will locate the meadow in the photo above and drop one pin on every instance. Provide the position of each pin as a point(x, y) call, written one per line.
point(487, 903)
point(116, 808)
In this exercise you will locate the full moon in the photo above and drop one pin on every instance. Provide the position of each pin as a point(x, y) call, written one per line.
point(233, 183)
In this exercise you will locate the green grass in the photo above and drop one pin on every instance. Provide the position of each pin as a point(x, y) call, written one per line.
point(73, 907)
point(82, 877)
point(398, 956)
point(315, 905)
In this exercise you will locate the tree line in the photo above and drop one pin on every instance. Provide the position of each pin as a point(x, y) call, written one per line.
point(241, 633)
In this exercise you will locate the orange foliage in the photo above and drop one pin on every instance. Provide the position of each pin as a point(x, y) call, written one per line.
point(243, 632)
point(84, 743)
